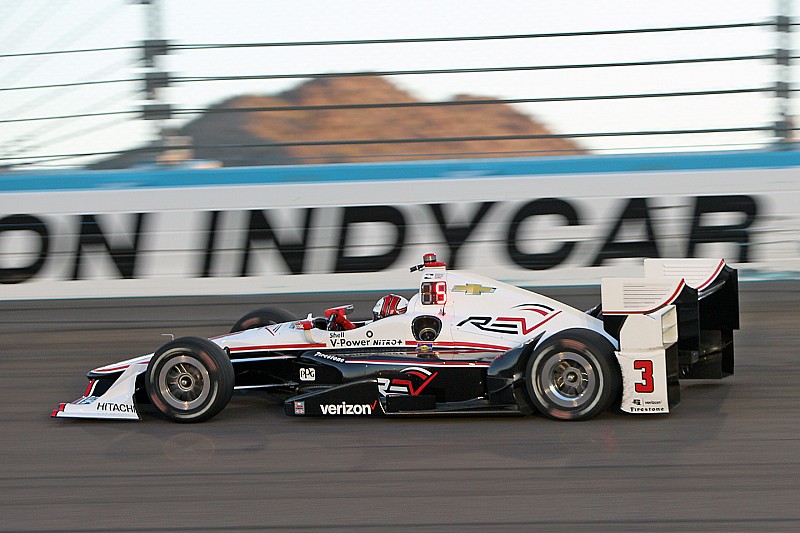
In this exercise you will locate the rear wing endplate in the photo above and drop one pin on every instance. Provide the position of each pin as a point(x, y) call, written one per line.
point(675, 323)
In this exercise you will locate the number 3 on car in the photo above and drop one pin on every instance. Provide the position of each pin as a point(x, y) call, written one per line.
point(645, 366)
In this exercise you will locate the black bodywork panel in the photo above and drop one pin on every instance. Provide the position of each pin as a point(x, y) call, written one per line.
point(410, 383)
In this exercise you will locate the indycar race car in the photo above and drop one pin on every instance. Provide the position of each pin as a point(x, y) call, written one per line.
point(463, 344)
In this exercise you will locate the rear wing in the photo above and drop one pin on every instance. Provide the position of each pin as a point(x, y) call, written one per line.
point(675, 323)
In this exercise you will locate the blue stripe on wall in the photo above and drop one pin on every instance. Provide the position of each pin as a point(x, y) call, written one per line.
point(449, 169)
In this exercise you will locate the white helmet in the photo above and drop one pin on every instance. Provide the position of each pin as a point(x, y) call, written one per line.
point(391, 304)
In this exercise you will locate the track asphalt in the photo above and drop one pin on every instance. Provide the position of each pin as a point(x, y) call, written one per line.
point(726, 459)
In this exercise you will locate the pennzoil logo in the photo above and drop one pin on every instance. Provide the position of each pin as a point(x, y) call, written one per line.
point(474, 289)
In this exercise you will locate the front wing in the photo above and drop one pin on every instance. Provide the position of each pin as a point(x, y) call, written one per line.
point(116, 403)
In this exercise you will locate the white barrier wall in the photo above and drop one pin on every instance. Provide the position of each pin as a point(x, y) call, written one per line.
point(359, 227)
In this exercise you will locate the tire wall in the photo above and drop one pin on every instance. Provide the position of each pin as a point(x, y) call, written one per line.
point(359, 227)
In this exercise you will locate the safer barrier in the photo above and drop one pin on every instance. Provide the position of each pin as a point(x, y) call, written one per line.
point(532, 222)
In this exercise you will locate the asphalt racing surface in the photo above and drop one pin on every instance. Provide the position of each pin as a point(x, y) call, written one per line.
point(726, 459)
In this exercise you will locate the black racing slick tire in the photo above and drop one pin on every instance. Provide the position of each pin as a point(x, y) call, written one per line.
point(573, 376)
point(266, 316)
point(190, 379)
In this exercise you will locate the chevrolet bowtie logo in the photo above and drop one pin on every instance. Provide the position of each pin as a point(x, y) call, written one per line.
point(473, 288)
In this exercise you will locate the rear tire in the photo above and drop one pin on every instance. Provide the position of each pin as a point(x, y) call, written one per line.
point(573, 376)
point(266, 316)
point(190, 379)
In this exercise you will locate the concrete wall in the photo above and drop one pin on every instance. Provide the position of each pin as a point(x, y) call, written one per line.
point(533, 222)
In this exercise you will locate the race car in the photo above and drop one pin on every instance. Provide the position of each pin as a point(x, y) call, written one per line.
point(463, 344)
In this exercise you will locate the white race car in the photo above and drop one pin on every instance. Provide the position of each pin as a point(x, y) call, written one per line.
point(463, 344)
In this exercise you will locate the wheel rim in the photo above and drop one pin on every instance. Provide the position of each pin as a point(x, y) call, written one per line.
point(568, 380)
point(184, 382)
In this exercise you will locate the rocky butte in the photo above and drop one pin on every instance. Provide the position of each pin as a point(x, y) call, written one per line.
point(219, 126)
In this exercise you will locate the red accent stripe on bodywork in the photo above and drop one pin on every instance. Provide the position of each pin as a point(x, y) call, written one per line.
point(707, 282)
point(275, 347)
point(89, 387)
point(523, 323)
point(466, 345)
point(426, 363)
point(116, 368)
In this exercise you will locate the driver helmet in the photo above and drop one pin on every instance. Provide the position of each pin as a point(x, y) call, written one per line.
point(391, 304)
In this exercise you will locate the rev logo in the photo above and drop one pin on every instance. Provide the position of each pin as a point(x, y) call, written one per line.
point(413, 382)
point(508, 325)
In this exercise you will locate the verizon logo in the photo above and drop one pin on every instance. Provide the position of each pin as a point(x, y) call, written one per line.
point(348, 409)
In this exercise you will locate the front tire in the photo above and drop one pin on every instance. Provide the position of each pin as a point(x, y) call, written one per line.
point(190, 379)
point(573, 376)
